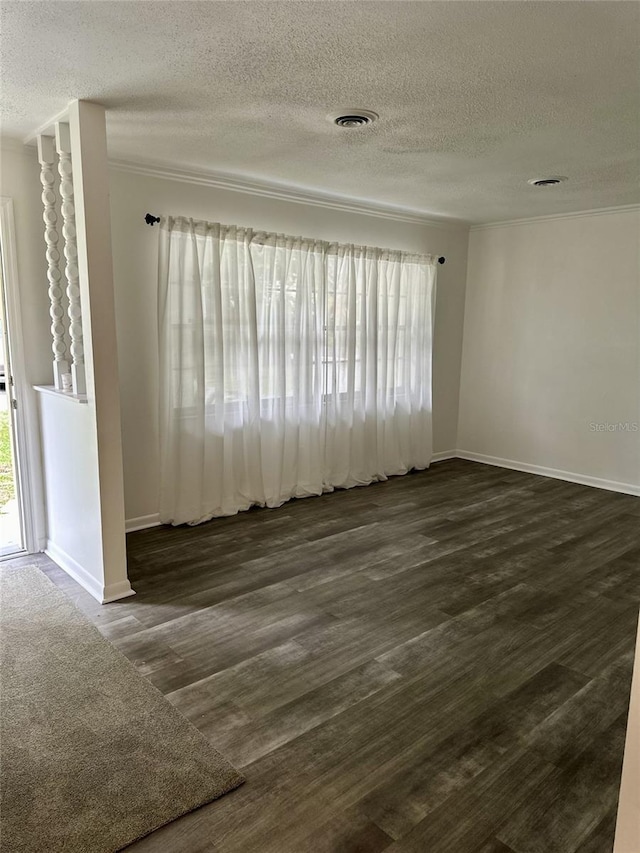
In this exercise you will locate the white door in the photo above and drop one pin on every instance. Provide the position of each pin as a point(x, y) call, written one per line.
point(11, 514)
point(22, 526)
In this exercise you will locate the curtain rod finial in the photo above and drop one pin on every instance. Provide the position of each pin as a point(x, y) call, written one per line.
point(441, 259)
point(150, 219)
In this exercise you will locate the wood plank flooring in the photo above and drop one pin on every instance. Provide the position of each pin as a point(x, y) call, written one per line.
point(439, 663)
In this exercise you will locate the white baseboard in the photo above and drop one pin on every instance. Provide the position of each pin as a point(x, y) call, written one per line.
point(142, 522)
point(145, 521)
point(103, 594)
point(116, 591)
point(555, 473)
point(441, 455)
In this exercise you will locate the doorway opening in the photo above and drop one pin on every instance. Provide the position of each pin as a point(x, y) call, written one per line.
point(11, 515)
point(10, 527)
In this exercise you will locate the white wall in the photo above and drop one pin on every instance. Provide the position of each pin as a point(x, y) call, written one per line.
point(551, 345)
point(74, 538)
point(135, 273)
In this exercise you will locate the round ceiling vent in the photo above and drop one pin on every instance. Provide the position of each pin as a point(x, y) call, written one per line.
point(355, 118)
point(552, 181)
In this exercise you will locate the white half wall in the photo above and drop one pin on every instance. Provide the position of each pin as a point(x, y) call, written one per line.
point(72, 494)
point(135, 256)
point(68, 456)
point(551, 357)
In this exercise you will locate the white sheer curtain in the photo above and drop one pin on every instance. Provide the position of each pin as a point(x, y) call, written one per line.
point(288, 367)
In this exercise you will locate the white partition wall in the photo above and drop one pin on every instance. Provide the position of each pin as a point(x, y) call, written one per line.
point(80, 413)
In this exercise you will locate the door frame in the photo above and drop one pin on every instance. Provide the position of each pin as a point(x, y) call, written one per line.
point(26, 448)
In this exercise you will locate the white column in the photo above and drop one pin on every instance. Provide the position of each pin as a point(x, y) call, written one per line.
point(95, 264)
point(46, 156)
point(63, 146)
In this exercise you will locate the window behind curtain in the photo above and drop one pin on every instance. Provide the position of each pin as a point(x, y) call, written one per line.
point(292, 365)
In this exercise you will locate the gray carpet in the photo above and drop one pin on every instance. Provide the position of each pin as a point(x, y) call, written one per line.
point(92, 755)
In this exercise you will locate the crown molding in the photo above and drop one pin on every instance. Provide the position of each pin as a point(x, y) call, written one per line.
point(284, 192)
point(577, 214)
point(265, 189)
point(281, 192)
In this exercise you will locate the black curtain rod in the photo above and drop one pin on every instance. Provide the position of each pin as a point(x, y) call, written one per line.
point(150, 219)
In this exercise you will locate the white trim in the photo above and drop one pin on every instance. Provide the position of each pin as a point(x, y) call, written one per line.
point(304, 195)
point(441, 455)
point(47, 127)
point(122, 589)
point(74, 569)
point(282, 192)
point(142, 522)
point(548, 217)
point(56, 392)
point(555, 473)
point(26, 429)
point(116, 591)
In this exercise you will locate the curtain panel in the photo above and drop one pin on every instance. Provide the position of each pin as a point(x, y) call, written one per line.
point(288, 367)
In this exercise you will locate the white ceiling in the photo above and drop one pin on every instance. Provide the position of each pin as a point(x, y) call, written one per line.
point(474, 98)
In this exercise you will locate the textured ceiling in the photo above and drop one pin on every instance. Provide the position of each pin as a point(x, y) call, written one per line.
point(474, 98)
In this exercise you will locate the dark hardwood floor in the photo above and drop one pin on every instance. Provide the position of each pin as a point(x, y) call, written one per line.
point(439, 663)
